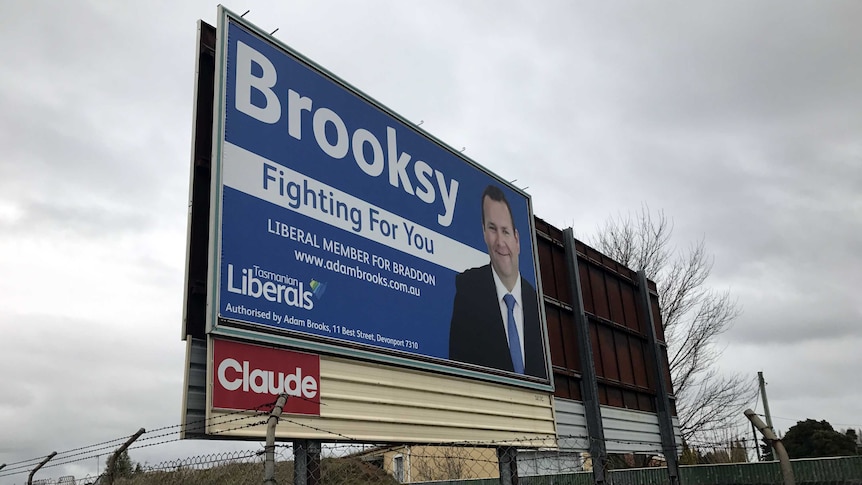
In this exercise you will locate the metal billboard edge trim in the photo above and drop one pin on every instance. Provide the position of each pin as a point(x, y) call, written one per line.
point(215, 177)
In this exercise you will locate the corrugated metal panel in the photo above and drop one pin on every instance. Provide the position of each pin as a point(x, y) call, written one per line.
point(571, 425)
point(375, 403)
point(628, 431)
point(194, 389)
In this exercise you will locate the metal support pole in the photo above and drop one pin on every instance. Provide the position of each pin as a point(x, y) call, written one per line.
point(589, 385)
point(269, 449)
point(777, 445)
point(300, 462)
point(762, 384)
point(312, 463)
point(306, 462)
point(112, 461)
point(507, 458)
point(40, 465)
point(665, 418)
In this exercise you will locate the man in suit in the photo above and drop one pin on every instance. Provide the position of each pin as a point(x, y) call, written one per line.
point(495, 315)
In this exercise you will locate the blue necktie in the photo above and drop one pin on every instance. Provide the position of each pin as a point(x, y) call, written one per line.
point(514, 341)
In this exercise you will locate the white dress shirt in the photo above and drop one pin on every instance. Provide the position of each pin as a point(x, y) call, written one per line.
point(518, 311)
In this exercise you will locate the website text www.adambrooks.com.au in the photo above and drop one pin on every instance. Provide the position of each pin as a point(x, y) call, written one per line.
point(355, 271)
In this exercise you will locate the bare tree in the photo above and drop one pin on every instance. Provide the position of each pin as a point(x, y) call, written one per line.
point(693, 316)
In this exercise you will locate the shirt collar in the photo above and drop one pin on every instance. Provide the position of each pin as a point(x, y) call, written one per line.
point(501, 288)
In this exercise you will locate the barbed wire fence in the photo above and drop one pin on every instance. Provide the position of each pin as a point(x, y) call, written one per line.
point(240, 419)
point(348, 460)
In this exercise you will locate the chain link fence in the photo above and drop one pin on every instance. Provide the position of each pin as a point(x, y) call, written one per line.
point(451, 464)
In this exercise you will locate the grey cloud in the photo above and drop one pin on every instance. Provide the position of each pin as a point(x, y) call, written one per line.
point(75, 219)
point(88, 382)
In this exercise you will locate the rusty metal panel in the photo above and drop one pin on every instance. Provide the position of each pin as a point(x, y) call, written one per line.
point(597, 352)
point(629, 299)
point(555, 334)
point(639, 364)
point(561, 334)
point(615, 396)
point(646, 403)
point(547, 268)
point(615, 299)
point(608, 351)
point(600, 296)
point(567, 386)
point(570, 345)
point(552, 263)
point(624, 357)
point(586, 289)
point(617, 323)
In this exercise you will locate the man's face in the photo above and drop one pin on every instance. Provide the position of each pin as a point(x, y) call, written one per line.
point(502, 240)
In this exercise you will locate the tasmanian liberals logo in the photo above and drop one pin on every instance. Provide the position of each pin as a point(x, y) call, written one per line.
point(317, 288)
point(250, 376)
point(257, 282)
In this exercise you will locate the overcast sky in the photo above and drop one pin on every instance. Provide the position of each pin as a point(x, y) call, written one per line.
point(741, 120)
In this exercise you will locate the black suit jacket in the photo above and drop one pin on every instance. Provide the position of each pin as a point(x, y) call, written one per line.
point(477, 335)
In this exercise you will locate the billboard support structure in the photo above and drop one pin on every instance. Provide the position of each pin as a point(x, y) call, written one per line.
point(306, 462)
point(589, 385)
point(663, 408)
point(507, 459)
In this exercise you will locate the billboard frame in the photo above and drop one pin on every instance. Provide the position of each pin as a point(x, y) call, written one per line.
point(249, 330)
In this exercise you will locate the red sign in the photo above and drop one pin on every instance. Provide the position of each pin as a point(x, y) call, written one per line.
point(251, 377)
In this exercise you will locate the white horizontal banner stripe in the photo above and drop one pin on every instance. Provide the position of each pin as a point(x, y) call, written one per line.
point(267, 180)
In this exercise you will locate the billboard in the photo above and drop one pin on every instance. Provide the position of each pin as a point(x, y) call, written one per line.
point(338, 225)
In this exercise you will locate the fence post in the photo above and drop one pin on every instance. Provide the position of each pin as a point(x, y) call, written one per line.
point(112, 461)
point(40, 465)
point(269, 449)
point(507, 457)
point(777, 445)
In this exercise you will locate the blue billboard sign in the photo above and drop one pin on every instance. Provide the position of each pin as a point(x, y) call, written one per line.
point(335, 221)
